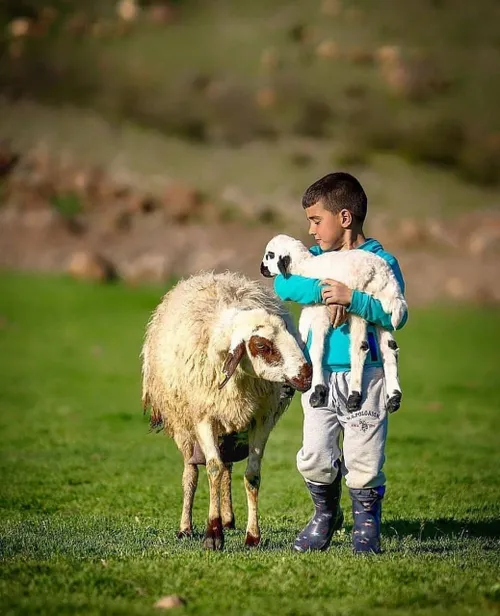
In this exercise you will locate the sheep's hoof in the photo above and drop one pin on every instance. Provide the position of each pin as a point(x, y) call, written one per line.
point(394, 402)
point(187, 533)
point(229, 524)
point(214, 537)
point(354, 402)
point(251, 541)
point(319, 397)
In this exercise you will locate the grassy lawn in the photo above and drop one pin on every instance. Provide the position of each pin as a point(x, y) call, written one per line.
point(90, 501)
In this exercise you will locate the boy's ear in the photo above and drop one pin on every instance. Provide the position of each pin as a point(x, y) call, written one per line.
point(345, 218)
point(284, 265)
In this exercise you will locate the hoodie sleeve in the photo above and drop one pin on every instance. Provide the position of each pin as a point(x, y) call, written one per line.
point(298, 289)
point(370, 309)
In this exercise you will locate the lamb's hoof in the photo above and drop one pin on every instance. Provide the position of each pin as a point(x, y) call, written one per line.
point(185, 534)
point(229, 524)
point(251, 541)
point(354, 402)
point(319, 397)
point(394, 402)
point(214, 537)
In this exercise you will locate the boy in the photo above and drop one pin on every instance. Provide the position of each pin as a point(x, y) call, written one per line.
point(336, 208)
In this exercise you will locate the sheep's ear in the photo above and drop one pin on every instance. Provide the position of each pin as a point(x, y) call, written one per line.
point(283, 265)
point(231, 362)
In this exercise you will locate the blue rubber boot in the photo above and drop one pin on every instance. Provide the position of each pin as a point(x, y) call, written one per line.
point(367, 514)
point(328, 516)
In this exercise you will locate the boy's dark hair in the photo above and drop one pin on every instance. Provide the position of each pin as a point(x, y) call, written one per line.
point(338, 191)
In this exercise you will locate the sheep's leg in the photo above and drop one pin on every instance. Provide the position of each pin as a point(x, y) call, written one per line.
point(189, 484)
point(257, 439)
point(317, 320)
point(226, 501)
point(359, 350)
point(390, 353)
point(214, 537)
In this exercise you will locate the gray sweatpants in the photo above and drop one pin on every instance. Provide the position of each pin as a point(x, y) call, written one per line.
point(364, 433)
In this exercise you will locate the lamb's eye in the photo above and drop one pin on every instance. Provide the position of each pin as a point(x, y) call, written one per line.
point(262, 347)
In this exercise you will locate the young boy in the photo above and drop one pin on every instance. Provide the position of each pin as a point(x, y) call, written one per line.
point(336, 207)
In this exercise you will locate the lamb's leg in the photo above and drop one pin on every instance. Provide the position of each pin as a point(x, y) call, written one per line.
point(257, 439)
point(214, 537)
point(226, 501)
point(189, 484)
point(359, 350)
point(319, 322)
point(390, 353)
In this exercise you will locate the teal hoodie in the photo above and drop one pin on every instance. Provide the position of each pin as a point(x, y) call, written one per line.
point(336, 357)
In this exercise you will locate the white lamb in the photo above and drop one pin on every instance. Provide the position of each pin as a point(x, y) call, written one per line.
point(217, 350)
point(357, 269)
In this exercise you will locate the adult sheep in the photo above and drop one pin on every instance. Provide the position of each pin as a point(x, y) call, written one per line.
point(217, 350)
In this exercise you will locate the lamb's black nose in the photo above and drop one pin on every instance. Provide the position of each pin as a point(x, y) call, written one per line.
point(264, 270)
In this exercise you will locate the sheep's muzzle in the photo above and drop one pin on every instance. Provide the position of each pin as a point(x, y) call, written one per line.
point(303, 381)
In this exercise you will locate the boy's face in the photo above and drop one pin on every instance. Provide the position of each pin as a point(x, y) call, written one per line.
point(327, 228)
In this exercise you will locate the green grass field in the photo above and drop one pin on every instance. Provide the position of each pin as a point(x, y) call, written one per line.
point(90, 500)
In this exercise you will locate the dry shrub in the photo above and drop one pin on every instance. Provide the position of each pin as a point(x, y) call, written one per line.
point(437, 141)
point(314, 119)
point(479, 159)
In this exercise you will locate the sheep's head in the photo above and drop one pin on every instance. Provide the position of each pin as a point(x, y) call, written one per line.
point(268, 350)
point(279, 254)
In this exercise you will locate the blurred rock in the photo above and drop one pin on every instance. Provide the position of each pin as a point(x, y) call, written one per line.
point(328, 50)
point(148, 268)
point(167, 603)
point(127, 10)
point(87, 265)
point(19, 27)
point(182, 202)
point(484, 241)
point(410, 232)
point(455, 287)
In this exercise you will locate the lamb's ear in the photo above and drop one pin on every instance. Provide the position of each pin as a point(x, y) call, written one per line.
point(283, 265)
point(231, 362)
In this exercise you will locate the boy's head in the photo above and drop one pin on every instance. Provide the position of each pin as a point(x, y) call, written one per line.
point(334, 204)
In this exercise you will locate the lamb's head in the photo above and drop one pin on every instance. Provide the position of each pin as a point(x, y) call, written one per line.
point(279, 255)
point(267, 350)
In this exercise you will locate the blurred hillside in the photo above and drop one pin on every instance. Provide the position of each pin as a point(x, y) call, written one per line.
point(180, 135)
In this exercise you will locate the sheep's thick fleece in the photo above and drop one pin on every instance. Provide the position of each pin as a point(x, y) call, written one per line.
point(181, 356)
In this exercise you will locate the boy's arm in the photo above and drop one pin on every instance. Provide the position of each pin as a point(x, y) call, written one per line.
point(298, 289)
point(370, 309)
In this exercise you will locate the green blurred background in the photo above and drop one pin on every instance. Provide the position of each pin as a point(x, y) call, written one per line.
point(153, 139)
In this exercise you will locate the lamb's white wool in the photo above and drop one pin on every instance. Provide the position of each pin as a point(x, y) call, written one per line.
point(357, 269)
point(217, 350)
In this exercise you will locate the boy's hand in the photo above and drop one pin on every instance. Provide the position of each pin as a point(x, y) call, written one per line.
point(334, 292)
point(338, 315)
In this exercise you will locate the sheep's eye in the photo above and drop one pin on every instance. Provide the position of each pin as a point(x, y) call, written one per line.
point(262, 347)
point(270, 255)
